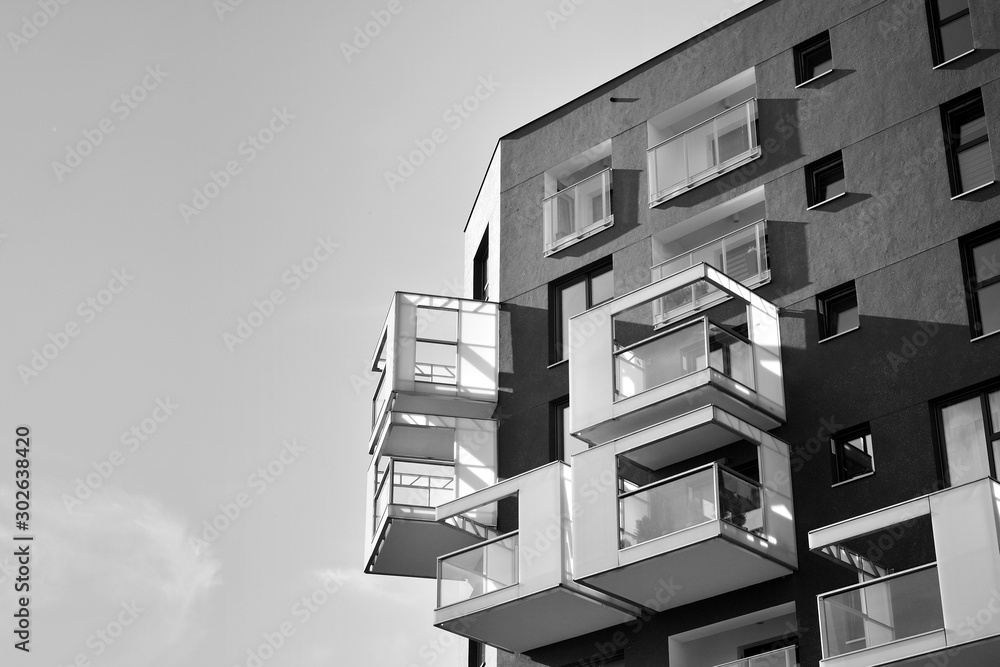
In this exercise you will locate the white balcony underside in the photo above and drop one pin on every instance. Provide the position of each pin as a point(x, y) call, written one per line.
point(711, 566)
point(409, 547)
point(426, 402)
point(503, 620)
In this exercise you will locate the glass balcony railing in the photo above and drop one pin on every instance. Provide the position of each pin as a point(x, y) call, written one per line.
point(784, 657)
point(677, 352)
point(690, 499)
point(580, 208)
point(741, 255)
point(382, 392)
point(477, 570)
point(880, 611)
point(414, 484)
point(703, 151)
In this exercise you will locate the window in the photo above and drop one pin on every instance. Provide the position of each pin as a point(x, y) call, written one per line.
point(951, 29)
point(981, 263)
point(436, 353)
point(574, 295)
point(970, 162)
point(813, 59)
point(825, 180)
point(851, 454)
point(480, 269)
point(838, 311)
point(969, 435)
point(564, 445)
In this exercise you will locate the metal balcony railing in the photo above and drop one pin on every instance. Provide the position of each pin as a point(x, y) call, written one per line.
point(412, 483)
point(577, 210)
point(708, 493)
point(477, 570)
point(741, 255)
point(686, 349)
point(703, 151)
point(883, 610)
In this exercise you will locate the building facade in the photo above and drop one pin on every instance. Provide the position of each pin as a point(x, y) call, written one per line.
point(724, 386)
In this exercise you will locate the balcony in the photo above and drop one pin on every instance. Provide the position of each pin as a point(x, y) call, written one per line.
point(436, 355)
point(516, 591)
point(942, 611)
point(702, 152)
point(577, 212)
point(630, 369)
point(784, 657)
point(740, 254)
point(763, 638)
point(671, 515)
point(421, 462)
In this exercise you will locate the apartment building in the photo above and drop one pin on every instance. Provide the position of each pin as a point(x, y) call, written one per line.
point(724, 386)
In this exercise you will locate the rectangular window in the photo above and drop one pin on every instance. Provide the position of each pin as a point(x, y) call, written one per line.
point(813, 59)
point(564, 445)
point(970, 162)
point(436, 348)
point(981, 263)
point(951, 29)
point(851, 454)
point(825, 180)
point(969, 435)
point(574, 295)
point(838, 310)
point(480, 269)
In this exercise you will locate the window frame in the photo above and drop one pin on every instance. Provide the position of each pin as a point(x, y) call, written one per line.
point(936, 23)
point(807, 50)
point(818, 175)
point(481, 269)
point(953, 115)
point(972, 286)
point(838, 459)
point(982, 391)
point(832, 296)
point(587, 274)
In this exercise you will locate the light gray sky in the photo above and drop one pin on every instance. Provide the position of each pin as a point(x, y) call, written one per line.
point(124, 291)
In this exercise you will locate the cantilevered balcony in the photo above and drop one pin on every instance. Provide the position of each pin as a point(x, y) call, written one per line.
point(677, 513)
point(432, 437)
point(419, 463)
point(942, 609)
point(631, 368)
point(436, 356)
point(578, 211)
point(516, 591)
point(702, 138)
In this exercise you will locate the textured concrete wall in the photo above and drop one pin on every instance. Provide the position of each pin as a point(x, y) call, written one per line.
point(895, 234)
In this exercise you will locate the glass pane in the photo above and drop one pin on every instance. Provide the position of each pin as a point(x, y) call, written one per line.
point(572, 301)
point(436, 362)
point(781, 658)
point(670, 166)
point(881, 612)
point(602, 288)
point(994, 400)
point(437, 324)
point(822, 64)
point(590, 202)
point(734, 138)
point(668, 508)
point(956, 38)
point(742, 259)
point(832, 188)
point(986, 257)
point(661, 360)
point(975, 166)
point(739, 502)
point(947, 8)
point(842, 314)
point(965, 441)
point(857, 458)
point(700, 149)
point(422, 484)
point(478, 571)
point(988, 299)
point(730, 356)
point(972, 130)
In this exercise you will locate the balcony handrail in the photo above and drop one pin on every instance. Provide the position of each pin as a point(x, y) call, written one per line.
point(570, 187)
point(746, 661)
point(660, 334)
point(704, 122)
point(738, 336)
point(704, 245)
point(477, 545)
point(876, 580)
point(661, 482)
